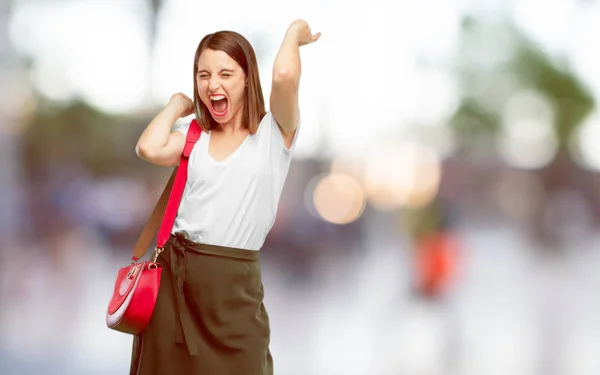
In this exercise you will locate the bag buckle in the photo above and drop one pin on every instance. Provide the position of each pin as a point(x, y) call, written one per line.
point(157, 251)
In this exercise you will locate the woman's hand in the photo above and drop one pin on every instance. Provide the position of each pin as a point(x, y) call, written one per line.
point(182, 104)
point(302, 33)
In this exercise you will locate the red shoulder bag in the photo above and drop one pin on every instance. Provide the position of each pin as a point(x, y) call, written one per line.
point(136, 286)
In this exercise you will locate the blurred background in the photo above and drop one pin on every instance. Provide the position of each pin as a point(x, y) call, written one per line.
point(440, 216)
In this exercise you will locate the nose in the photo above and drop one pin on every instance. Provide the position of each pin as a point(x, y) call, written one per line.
point(214, 84)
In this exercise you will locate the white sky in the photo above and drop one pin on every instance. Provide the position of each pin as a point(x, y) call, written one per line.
point(366, 58)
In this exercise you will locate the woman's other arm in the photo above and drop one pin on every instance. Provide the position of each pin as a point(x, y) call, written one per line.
point(286, 78)
point(158, 144)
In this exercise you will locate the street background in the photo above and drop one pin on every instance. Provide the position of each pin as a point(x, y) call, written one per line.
point(441, 213)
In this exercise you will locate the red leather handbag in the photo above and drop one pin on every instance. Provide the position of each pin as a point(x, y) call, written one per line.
point(136, 286)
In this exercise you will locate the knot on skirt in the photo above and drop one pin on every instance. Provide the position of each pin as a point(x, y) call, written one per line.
point(185, 326)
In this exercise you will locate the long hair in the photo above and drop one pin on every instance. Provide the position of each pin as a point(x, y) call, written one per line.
point(239, 49)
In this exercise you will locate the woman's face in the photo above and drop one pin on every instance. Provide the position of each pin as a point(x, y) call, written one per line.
point(221, 85)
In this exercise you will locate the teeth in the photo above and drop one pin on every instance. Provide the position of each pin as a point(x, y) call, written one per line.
point(217, 97)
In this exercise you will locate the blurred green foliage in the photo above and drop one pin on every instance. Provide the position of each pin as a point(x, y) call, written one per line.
point(103, 143)
point(495, 60)
point(523, 60)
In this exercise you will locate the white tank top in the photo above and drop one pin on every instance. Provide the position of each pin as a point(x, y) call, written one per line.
point(234, 202)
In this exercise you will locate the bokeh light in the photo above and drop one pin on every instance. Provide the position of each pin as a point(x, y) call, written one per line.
point(527, 139)
point(584, 144)
point(339, 199)
point(406, 174)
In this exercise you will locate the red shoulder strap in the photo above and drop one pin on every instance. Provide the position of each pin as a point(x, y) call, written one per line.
point(168, 204)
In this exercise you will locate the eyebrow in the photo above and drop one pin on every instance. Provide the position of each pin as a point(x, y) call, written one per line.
point(220, 71)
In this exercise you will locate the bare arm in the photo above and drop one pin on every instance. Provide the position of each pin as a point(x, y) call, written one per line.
point(286, 78)
point(158, 144)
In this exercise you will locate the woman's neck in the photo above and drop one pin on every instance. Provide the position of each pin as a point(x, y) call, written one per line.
point(234, 125)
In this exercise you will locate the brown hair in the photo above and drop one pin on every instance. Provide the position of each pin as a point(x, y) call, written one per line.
point(239, 49)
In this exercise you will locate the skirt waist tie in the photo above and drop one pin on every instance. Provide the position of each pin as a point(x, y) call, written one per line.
point(185, 325)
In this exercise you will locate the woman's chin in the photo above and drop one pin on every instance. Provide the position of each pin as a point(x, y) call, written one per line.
point(226, 117)
point(220, 119)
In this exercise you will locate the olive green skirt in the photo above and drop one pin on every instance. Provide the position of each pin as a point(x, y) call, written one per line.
point(209, 317)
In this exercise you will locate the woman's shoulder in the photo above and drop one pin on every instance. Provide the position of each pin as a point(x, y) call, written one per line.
point(266, 122)
point(267, 118)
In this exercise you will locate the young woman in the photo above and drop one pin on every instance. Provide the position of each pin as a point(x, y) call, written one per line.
point(210, 317)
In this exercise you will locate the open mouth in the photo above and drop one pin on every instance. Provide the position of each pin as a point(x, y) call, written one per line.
point(219, 105)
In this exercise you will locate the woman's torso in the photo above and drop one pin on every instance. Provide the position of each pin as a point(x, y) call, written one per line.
point(233, 202)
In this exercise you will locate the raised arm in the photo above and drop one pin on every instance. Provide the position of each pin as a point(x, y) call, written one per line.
point(158, 144)
point(286, 78)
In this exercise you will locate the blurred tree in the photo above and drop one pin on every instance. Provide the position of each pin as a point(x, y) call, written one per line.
point(11, 179)
point(155, 8)
point(78, 132)
point(518, 57)
point(102, 143)
point(496, 61)
point(572, 100)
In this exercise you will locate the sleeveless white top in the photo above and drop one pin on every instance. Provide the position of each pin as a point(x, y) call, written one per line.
point(234, 202)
